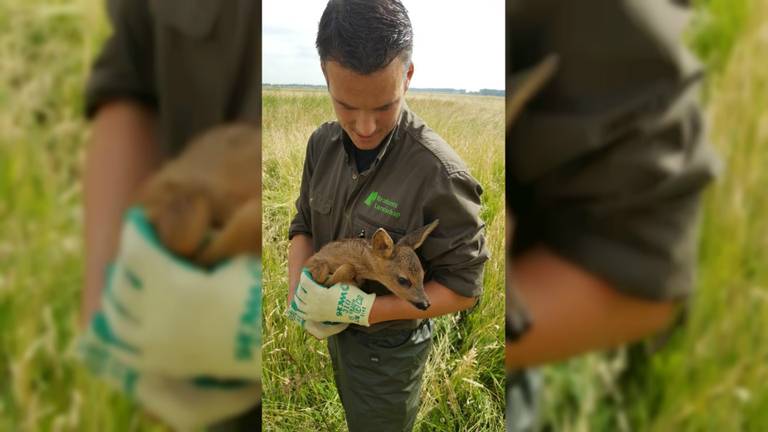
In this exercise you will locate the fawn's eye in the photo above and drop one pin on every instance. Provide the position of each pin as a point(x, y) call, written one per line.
point(403, 281)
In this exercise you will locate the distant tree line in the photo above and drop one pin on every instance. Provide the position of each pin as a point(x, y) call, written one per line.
point(481, 92)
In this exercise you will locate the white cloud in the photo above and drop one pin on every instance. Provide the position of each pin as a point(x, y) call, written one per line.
point(457, 44)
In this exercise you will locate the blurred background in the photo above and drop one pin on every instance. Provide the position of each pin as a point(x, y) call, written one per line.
point(46, 48)
point(710, 375)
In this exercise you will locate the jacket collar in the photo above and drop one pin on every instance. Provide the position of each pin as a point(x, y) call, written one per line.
point(395, 135)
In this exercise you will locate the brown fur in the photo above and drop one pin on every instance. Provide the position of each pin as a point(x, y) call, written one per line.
point(206, 204)
point(379, 259)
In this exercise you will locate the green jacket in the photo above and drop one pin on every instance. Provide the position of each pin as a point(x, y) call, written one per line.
point(415, 179)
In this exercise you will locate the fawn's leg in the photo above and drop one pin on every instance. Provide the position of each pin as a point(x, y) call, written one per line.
point(241, 234)
point(320, 272)
point(181, 216)
point(345, 273)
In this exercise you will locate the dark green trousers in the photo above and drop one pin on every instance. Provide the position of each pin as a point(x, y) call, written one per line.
point(379, 375)
point(522, 412)
point(247, 422)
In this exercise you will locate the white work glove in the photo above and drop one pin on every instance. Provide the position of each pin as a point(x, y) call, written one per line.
point(342, 302)
point(322, 330)
point(319, 330)
point(181, 403)
point(171, 318)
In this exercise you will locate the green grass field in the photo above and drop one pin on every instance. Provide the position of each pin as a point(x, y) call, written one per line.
point(464, 377)
point(710, 377)
point(45, 52)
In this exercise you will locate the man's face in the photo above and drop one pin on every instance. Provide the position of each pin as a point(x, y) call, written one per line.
point(367, 106)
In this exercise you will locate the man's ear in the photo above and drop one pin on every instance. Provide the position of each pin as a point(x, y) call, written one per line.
point(322, 68)
point(408, 76)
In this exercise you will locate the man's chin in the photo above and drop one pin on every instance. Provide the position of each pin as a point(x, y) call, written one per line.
point(366, 143)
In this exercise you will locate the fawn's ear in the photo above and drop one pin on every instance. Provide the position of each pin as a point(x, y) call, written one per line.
point(414, 239)
point(382, 243)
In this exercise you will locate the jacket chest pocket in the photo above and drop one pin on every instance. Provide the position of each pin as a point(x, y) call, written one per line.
point(322, 217)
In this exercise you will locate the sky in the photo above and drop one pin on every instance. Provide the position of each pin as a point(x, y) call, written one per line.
point(457, 43)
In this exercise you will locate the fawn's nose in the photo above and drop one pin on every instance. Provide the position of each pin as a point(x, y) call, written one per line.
point(422, 305)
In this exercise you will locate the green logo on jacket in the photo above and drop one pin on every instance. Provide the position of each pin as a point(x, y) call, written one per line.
point(382, 205)
point(371, 198)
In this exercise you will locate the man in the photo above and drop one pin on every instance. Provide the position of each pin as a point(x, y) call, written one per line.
point(379, 165)
point(605, 169)
point(168, 72)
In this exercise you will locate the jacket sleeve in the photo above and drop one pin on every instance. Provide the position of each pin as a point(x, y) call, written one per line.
point(607, 165)
point(456, 252)
point(302, 221)
point(124, 68)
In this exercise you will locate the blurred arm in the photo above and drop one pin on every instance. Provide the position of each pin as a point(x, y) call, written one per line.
point(121, 154)
point(575, 312)
point(299, 252)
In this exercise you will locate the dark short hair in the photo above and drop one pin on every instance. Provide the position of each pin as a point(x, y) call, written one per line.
point(365, 35)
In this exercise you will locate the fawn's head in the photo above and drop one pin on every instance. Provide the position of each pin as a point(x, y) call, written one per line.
point(398, 267)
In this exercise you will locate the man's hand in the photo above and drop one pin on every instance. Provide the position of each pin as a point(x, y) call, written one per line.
point(169, 317)
point(344, 303)
point(182, 403)
point(299, 251)
point(322, 330)
point(319, 330)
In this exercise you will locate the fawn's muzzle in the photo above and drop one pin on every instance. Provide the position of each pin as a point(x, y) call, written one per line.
point(423, 305)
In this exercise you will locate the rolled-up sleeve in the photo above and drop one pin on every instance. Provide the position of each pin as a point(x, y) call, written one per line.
point(456, 252)
point(124, 68)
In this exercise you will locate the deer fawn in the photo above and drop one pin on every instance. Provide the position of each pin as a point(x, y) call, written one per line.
point(206, 204)
point(396, 266)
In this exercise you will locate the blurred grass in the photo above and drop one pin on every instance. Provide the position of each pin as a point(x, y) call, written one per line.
point(464, 378)
point(46, 47)
point(715, 29)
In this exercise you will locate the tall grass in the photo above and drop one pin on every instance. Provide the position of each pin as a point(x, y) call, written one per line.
point(464, 377)
point(716, 27)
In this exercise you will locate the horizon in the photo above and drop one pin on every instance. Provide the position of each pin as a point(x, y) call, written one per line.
point(324, 86)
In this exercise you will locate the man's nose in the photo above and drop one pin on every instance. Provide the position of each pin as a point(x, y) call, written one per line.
point(365, 124)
